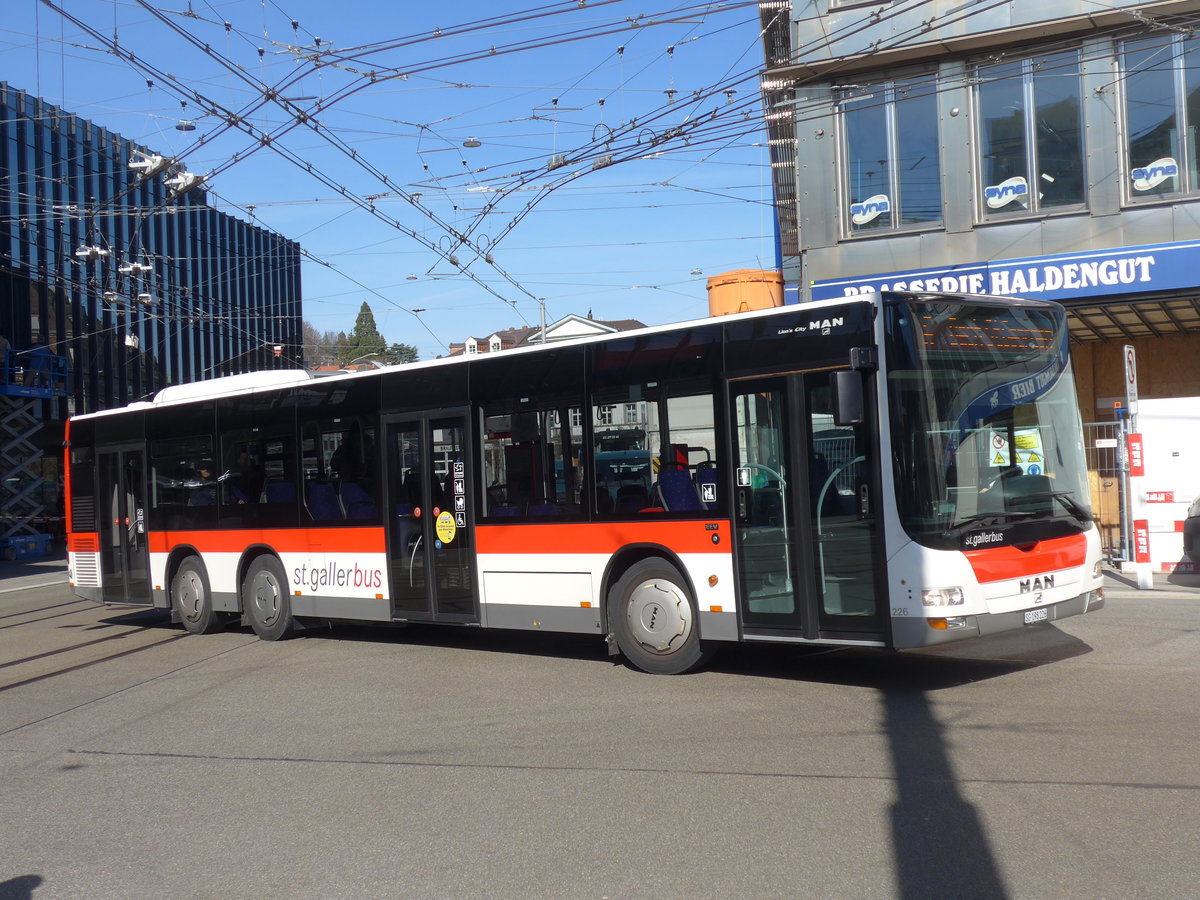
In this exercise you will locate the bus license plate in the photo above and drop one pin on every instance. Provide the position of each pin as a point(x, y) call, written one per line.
point(1036, 615)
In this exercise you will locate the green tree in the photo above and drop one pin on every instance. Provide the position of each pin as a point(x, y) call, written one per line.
point(364, 341)
point(400, 353)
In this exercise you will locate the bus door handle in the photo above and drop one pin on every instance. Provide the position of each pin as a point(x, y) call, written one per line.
point(743, 504)
point(864, 501)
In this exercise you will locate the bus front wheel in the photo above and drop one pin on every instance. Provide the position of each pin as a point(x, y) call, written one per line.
point(652, 616)
point(192, 598)
point(265, 599)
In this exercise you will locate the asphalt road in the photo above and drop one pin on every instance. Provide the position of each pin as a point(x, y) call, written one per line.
point(136, 761)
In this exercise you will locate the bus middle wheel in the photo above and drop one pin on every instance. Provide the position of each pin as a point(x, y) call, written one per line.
point(265, 599)
point(192, 600)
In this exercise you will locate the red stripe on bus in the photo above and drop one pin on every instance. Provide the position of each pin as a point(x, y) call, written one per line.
point(282, 540)
point(83, 543)
point(603, 537)
point(1003, 563)
point(70, 523)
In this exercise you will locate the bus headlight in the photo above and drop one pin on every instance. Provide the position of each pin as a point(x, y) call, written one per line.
point(943, 597)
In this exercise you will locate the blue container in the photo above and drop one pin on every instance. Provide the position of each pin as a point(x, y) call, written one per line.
point(25, 546)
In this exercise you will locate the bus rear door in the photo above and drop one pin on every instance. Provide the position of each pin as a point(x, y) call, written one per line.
point(121, 512)
point(805, 494)
point(431, 532)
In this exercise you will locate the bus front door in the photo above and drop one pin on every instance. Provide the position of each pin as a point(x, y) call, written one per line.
point(431, 532)
point(121, 498)
point(805, 494)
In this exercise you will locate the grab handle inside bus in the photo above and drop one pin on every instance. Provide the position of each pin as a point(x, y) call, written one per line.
point(847, 388)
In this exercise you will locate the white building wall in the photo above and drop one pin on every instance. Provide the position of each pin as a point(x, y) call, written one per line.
point(1171, 443)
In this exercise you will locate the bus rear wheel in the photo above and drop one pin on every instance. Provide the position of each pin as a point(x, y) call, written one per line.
point(653, 617)
point(192, 598)
point(265, 599)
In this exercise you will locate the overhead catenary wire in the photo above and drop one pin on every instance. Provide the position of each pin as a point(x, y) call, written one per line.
point(710, 135)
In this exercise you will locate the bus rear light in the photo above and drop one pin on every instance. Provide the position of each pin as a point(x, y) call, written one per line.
point(942, 597)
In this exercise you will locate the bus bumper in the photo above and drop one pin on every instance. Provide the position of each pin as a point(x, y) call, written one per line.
point(928, 632)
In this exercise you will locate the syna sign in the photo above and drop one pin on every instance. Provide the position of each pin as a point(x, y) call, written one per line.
point(1000, 195)
point(870, 209)
point(1146, 178)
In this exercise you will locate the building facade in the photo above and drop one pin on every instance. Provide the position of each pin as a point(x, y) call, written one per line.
point(566, 328)
point(114, 283)
point(1026, 148)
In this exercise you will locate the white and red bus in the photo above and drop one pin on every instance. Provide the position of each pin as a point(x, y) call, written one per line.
point(890, 470)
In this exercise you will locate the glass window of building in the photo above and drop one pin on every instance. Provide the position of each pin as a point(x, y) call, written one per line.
point(1162, 102)
point(892, 176)
point(1030, 135)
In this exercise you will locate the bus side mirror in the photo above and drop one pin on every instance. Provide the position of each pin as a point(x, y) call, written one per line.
point(847, 389)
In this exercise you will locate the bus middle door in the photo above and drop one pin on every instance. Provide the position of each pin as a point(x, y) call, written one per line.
point(431, 530)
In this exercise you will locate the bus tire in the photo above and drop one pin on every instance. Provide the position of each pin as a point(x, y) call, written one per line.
point(191, 598)
point(265, 599)
point(653, 617)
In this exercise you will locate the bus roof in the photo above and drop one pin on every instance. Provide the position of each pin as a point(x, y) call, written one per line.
point(249, 382)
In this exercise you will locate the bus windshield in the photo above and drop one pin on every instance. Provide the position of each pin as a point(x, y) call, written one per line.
point(986, 431)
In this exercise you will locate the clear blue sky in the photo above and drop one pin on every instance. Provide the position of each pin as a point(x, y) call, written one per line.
point(665, 88)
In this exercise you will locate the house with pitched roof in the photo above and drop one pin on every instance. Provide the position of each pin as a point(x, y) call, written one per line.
point(566, 328)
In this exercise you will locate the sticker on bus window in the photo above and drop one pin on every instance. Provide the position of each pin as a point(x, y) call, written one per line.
point(445, 528)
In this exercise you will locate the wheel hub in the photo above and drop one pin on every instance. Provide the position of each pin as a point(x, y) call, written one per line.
point(190, 597)
point(266, 598)
point(660, 617)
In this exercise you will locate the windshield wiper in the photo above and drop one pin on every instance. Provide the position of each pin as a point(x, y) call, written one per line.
point(986, 520)
point(1066, 498)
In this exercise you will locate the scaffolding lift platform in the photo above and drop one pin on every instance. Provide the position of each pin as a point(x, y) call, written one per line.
point(26, 377)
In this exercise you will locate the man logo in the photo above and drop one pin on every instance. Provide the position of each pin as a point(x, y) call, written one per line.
point(870, 209)
point(1000, 195)
point(1040, 583)
point(1149, 177)
point(825, 325)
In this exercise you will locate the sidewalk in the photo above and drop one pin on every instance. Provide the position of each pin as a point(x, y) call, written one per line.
point(1123, 586)
point(20, 574)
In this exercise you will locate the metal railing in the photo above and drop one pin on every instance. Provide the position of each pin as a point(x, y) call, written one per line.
point(1104, 447)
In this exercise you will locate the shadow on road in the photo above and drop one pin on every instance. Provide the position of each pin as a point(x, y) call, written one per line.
point(939, 845)
point(20, 888)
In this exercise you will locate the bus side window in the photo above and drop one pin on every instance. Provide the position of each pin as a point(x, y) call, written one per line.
point(184, 481)
point(688, 469)
point(622, 426)
point(531, 471)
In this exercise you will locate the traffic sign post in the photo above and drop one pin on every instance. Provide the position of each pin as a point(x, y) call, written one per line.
point(1136, 504)
point(1131, 387)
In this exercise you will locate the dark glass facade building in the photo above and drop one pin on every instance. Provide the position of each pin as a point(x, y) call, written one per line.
point(170, 291)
